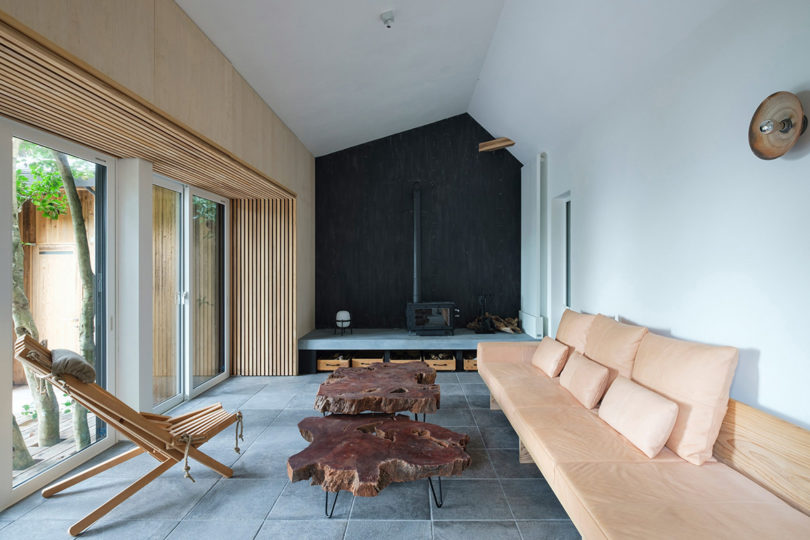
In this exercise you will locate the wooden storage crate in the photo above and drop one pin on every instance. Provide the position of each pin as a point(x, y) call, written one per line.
point(470, 360)
point(441, 361)
point(366, 358)
point(332, 362)
point(442, 365)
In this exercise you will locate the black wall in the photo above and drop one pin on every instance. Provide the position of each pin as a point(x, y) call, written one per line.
point(364, 225)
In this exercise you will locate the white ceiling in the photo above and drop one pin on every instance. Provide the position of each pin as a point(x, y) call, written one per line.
point(337, 77)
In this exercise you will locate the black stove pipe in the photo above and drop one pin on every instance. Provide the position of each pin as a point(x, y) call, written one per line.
point(417, 243)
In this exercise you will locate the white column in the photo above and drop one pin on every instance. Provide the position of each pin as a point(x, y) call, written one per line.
point(532, 247)
point(134, 320)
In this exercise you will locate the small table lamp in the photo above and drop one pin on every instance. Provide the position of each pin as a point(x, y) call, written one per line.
point(343, 320)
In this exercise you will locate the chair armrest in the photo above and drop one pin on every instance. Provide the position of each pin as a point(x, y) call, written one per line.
point(508, 351)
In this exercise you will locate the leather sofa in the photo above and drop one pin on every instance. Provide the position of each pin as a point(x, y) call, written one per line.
point(608, 487)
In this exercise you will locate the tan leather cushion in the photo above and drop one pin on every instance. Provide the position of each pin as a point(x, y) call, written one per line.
point(585, 379)
point(550, 356)
point(658, 499)
point(573, 329)
point(503, 351)
point(557, 434)
point(518, 385)
point(645, 418)
point(614, 344)
point(697, 377)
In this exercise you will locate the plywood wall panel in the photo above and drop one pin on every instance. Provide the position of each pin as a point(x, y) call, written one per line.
point(248, 131)
point(264, 302)
point(116, 37)
point(192, 79)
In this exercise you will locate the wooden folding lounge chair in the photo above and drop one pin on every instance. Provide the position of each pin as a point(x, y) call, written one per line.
point(169, 440)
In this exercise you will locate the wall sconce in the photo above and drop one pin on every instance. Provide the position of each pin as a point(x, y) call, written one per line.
point(343, 320)
point(776, 125)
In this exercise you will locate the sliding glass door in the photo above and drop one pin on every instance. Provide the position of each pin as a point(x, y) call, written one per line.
point(55, 275)
point(167, 294)
point(207, 307)
point(190, 283)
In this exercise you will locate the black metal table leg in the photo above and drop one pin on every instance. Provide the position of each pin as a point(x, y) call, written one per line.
point(440, 501)
point(326, 509)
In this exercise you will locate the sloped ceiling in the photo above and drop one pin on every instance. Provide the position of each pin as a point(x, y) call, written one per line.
point(554, 64)
point(337, 77)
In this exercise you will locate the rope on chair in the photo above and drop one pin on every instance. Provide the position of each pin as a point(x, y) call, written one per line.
point(37, 358)
point(186, 438)
point(239, 432)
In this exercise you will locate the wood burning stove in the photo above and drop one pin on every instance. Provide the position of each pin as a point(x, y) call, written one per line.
point(426, 318)
point(431, 318)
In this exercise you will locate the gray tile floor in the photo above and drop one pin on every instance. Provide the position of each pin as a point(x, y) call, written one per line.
point(495, 498)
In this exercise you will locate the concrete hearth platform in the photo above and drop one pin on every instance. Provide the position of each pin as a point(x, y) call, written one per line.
point(392, 339)
point(387, 339)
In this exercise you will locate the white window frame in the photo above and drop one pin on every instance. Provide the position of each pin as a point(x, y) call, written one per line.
point(8, 130)
point(167, 183)
point(188, 198)
point(187, 353)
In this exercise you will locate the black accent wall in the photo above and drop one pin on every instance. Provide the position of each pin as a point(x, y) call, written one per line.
point(364, 225)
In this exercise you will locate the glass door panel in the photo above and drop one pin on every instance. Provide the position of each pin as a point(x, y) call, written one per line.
point(57, 238)
point(167, 273)
point(207, 303)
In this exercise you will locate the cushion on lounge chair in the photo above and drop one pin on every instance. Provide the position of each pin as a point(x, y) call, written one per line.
point(65, 362)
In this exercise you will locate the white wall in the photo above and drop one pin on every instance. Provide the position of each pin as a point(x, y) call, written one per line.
point(676, 224)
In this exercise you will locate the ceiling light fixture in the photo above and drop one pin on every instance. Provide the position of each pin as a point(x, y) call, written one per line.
point(387, 17)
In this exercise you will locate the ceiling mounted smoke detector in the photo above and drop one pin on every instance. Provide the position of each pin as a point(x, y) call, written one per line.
point(387, 17)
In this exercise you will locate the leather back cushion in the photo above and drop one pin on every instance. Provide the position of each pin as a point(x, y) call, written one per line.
point(645, 418)
point(585, 379)
point(550, 356)
point(698, 378)
point(614, 345)
point(573, 330)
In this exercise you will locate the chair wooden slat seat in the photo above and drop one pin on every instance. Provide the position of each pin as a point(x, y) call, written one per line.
point(169, 440)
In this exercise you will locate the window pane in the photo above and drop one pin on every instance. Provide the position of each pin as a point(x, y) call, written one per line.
point(166, 269)
point(55, 297)
point(207, 263)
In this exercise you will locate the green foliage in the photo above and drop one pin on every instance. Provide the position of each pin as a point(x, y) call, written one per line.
point(205, 211)
point(29, 411)
point(38, 180)
point(67, 404)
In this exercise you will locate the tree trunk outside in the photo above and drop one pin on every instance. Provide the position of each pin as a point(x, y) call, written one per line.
point(81, 432)
point(21, 457)
point(41, 391)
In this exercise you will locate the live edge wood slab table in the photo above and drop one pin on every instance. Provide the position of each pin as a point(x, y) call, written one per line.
point(365, 453)
point(381, 387)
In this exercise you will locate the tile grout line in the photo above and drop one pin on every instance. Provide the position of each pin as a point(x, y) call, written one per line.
point(500, 483)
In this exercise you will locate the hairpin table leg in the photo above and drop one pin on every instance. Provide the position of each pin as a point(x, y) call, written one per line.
point(326, 509)
point(440, 501)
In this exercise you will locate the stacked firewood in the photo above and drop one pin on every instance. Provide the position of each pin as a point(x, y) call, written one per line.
point(510, 325)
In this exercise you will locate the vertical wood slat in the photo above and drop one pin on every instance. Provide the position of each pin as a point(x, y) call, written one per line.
point(263, 288)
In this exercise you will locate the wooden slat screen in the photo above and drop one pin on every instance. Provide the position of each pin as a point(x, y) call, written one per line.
point(46, 90)
point(263, 283)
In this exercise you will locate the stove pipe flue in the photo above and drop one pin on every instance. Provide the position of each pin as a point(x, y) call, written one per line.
point(417, 243)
